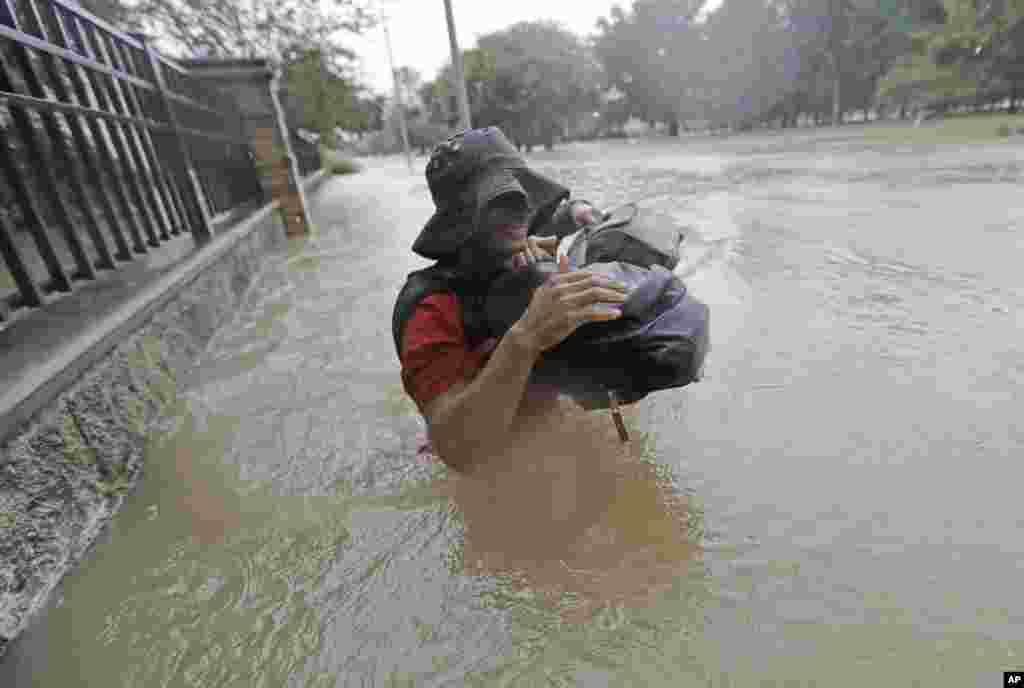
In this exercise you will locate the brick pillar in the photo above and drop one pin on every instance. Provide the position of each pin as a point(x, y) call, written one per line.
point(286, 183)
point(279, 177)
point(254, 86)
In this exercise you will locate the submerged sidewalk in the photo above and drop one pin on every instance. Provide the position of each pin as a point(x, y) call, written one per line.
point(308, 367)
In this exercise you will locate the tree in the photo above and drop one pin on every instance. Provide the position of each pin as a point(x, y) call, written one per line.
point(433, 105)
point(947, 62)
point(746, 46)
point(846, 46)
point(1004, 49)
point(304, 37)
point(319, 98)
point(479, 71)
point(839, 42)
point(542, 77)
point(409, 82)
point(373, 109)
point(656, 54)
point(427, 119)
point(278, 29)
point(615, 110)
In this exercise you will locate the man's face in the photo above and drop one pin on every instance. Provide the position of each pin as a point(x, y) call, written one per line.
point(501, 240)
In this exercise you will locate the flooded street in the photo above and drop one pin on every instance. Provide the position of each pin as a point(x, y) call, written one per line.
point(837, 503)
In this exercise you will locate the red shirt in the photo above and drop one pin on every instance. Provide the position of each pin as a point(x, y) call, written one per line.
point(436, 355)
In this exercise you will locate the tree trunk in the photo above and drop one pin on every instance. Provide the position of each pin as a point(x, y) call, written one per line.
point(673, 128)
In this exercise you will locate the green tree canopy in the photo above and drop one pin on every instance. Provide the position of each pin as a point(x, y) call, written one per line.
point(544, 76)
point(277, 29)
point(321, 100)
point(656, 54)
point(954, 59)
point(745, 50)
point(304, 37)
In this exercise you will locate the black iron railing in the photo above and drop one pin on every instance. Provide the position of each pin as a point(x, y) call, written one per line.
point(106, 146)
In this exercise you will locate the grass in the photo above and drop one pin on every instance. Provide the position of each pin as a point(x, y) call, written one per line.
point(335, 163)
point(973, 128)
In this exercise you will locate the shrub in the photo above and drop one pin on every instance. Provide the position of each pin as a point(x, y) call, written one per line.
point(344, 166)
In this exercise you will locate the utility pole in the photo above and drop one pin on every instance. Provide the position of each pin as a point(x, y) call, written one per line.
point(398, 96)
point(465, 119)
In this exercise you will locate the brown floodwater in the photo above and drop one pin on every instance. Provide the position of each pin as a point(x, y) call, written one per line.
point(836, 503)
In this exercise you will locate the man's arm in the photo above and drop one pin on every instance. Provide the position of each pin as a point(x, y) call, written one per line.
point(472, 420)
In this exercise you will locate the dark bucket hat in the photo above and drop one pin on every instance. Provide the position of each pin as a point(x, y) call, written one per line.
point(465, 174)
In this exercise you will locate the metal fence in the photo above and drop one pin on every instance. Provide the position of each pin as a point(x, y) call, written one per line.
point(107, 146)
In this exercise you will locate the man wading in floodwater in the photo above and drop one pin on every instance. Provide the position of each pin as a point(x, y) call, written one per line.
point(597, 521)
point(473, 390)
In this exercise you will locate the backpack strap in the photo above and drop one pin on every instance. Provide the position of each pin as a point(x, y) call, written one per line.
point(439, 279)
point(629, 234)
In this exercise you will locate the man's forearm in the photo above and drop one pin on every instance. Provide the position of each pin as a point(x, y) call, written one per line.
point(476, 422)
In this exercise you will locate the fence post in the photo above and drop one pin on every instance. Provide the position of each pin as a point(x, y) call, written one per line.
point(204, 231)
point(287, 185)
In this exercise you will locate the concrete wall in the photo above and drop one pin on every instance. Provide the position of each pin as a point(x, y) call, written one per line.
point(65, 470)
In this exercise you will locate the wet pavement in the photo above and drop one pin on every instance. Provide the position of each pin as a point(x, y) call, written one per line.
point(837, 503)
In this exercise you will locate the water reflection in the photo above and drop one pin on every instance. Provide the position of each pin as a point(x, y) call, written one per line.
point(208, 583)
point(228, 605)
point(595, 556)
point(582, 520)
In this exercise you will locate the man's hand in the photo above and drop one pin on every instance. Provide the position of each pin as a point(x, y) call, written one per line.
point(583, 214)
point(566, 301)
point(539, 248)
point(545, 248)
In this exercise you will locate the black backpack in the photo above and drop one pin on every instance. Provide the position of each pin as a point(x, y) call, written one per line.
point(439, 278)
point(660, 342)
point(662, 338)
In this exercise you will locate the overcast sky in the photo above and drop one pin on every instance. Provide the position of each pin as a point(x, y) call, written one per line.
point(419, 34)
